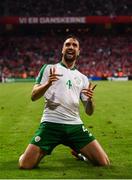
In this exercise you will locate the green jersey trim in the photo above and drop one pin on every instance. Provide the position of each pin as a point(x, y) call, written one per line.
point(66, 67)
point(38, 79)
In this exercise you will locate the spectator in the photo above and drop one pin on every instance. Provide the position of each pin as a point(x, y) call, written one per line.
point(66, 8)
point(101, 56)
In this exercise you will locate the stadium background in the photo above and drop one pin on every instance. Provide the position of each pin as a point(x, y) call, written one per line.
point(31, 34)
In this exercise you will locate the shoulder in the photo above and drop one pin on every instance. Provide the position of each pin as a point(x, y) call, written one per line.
point(84, 78)
point(81, 75)
point(43, 72)
point(46, 67)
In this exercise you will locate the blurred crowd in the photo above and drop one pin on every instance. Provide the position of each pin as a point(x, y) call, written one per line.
point(2, 8)
point(104, 56)
point(66, 7)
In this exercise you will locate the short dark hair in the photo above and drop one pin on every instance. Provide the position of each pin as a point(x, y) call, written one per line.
point(73, 37)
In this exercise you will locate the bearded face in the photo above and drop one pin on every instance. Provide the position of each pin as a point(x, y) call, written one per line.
point(70, 56)
point(70, 50)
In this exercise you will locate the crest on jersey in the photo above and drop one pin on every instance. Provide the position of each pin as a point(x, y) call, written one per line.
point(37, 138)
point(77, 81)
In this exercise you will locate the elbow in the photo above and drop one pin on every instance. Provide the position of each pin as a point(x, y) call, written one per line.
point(89, 113)
point(33, 97)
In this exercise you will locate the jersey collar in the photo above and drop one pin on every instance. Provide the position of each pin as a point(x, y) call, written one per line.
point(66, 67)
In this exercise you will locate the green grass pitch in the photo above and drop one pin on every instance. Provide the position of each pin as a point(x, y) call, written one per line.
point(111, 124)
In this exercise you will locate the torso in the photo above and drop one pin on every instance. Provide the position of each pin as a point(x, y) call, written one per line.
point(65, 91)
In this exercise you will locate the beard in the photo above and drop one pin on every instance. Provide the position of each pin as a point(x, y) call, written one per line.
point(69, 58)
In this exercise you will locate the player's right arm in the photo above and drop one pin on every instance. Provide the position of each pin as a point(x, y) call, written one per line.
point(40, 89)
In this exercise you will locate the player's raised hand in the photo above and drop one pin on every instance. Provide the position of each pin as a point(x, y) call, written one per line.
point(89, 91)
point(53, 76)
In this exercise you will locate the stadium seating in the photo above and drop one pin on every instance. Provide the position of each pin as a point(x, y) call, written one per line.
point(105, 56)
point(100, 56)
point(66, 7)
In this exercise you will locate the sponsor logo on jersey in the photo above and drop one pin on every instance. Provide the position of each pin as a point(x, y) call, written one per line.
point(37, 138)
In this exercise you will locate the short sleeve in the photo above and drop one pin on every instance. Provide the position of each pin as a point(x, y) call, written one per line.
point(85, 86)
point(42, 76)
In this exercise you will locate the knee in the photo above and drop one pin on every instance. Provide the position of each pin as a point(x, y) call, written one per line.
point(104, 161)
point(23, 164)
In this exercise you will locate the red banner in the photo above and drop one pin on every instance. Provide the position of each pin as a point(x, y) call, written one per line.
point(42, 20)
point(108, 19)
point(66, 20)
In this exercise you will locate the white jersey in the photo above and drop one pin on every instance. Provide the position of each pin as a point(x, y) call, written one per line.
point(64, 93)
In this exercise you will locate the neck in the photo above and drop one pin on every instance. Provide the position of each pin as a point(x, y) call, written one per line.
point(69, 65)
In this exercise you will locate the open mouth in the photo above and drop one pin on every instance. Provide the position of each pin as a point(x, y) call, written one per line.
point(70, 55)
point(70, 52)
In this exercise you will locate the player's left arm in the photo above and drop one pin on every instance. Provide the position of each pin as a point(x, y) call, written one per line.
point(89, 104)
